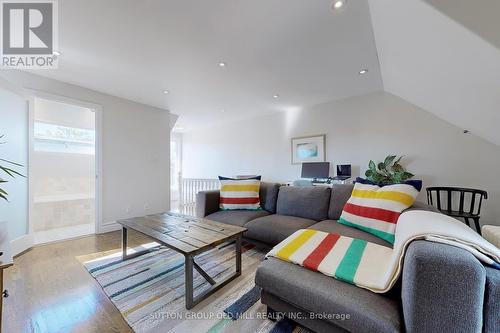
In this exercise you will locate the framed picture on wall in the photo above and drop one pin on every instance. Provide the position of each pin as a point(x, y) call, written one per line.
point(308, 149)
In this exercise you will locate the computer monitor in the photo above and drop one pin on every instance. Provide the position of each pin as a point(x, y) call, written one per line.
point(344, 170)
point(315, 170)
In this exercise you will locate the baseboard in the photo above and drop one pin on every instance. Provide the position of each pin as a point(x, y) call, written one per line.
point(21, 244)
point(109, 227)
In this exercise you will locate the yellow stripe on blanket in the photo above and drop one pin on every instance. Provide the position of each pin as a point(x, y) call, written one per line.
point(295, 243)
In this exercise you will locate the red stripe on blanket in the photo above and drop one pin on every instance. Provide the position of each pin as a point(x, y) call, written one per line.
point(372, 213)
point(239, 200)
point(316, 257)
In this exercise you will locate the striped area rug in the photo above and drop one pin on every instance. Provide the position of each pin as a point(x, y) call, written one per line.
point(149, 291)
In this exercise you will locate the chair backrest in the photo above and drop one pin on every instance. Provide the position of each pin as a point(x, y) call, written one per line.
point(473, 196)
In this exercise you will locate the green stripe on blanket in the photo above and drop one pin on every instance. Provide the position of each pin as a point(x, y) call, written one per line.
point(349, 264)
point(380, 234)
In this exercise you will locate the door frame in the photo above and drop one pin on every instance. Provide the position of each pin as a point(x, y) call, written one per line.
point(97, 108)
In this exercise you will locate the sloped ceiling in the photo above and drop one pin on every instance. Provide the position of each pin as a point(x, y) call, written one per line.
point(444, 56)
point(441, 55)
point(299, 49)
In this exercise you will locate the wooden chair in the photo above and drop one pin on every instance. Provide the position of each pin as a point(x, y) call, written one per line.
point(469, 210)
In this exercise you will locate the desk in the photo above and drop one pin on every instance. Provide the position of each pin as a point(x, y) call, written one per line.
point(5, 262)
point(333, 182)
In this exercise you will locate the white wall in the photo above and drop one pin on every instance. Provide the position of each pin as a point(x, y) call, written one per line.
point(135, 148)
point(357, 129)
point(14, 125)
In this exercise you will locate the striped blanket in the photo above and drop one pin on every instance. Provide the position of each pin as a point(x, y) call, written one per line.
point(372, 266)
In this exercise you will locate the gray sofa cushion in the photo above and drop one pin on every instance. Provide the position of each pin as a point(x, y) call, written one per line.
point(492, 300)
point(236, 217)
point(340, 194)
point(337, 228)
point(268, 196)
point(312, 291)
point(273, 229)
point(309, 202)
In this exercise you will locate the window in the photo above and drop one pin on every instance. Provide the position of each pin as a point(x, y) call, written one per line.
point(62, 139)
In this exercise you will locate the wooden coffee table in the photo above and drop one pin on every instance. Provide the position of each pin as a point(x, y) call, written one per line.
point(190, 237)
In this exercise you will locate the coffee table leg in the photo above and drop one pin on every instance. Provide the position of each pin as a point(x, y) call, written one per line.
point(124, 243)
point(189, 264)
point(203, 273)
point(238, 255)
point(188, 272)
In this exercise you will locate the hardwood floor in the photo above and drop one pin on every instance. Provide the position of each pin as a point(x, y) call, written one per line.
point(50, 290)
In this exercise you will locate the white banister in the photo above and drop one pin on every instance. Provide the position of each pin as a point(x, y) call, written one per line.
point(189, 187)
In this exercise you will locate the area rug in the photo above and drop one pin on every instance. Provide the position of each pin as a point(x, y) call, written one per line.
point(149, 291)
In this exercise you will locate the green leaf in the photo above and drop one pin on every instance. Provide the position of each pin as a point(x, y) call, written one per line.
point(398, 168)
point(11, 172)
point(372, 166)
point(378, 178)
point(368, 173)
point(10, 162)
point(397, 177)
point(407, 175)
point(388, 160)
point(398, 160)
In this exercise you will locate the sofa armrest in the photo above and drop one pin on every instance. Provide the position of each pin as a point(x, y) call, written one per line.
point(442, 289)
point(491, 300)
point(207, 202)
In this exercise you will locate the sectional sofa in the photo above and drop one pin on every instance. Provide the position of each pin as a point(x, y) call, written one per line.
point(442, 288)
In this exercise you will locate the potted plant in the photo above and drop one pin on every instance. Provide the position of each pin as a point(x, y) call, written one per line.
point(388, 172)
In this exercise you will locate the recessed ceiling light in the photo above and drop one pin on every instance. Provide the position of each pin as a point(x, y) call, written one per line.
point(222, 110)
point(222, 64)
point(363, 71)
point(57, 53)
point(166, 92)
point(276, 96)
point(337, 4)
